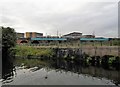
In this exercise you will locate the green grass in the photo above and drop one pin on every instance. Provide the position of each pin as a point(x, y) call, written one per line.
point(24, 51)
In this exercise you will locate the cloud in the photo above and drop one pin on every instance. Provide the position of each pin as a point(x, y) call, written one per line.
point(66, 16)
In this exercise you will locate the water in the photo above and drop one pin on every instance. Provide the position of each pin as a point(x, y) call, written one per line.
point(46, 76)
point(62, 72)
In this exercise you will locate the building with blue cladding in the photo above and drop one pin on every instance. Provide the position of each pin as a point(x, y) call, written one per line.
point(94, 39)
point(49, 39)
point(63, 39)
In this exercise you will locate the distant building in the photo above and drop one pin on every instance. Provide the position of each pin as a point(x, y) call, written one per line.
point(20, 35)
point(33, 34)
point(73, 35)
point(88, 36)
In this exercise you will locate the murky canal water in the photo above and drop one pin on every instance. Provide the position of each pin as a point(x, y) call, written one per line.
point(46, 76)
point(62, 72)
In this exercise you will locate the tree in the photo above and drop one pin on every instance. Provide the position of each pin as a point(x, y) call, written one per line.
point(8, 37)
point(8, 42)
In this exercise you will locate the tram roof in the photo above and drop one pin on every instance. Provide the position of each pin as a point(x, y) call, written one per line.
point(61, 39)
point(94, 39)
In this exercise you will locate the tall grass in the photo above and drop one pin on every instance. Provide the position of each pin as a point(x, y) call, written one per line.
point(24, 51)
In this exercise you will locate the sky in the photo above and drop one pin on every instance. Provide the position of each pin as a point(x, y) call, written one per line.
point(99, 17)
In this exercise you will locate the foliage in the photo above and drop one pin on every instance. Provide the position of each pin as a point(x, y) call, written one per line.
point(116, 42)
point(8, 37)
point(26, 50)
point(8, 42)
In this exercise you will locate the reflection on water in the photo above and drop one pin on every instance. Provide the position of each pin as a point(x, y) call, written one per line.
point(8, 68)
point(79, 68)
point(47, 76)
point(63, 72)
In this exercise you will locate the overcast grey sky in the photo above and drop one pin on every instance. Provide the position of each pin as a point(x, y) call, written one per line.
point(48, 16)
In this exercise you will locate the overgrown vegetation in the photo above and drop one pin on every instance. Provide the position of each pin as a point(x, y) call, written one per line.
point(23, 54)
point(116, 42)
point(25, 51)
point(8, 37)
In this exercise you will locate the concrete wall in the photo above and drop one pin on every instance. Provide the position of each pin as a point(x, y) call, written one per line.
point(102, 50)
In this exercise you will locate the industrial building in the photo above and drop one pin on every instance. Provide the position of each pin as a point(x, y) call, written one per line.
point(33, 35)
point(73, 35)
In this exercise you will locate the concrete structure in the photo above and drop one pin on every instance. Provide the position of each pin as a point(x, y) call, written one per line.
point(73, 35)
point(33, 34)
point(22, 40)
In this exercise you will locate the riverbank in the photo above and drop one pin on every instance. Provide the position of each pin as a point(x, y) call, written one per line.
point(88, 49)
point(27, 52)
point(68, 60)
point(80, 56)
